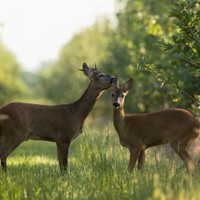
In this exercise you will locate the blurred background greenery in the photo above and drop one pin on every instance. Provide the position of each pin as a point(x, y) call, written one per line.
point(155, 42)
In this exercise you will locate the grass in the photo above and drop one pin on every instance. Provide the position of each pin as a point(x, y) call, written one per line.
point(97, 170)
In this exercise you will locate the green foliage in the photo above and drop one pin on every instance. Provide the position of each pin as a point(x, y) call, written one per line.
point(10, 84)
point(34, 91)
point(139, 28)
point(140, 25)
point(97, 170)
point(62, 81)
point(185, 42)
point(184, 49)
point(172, 78)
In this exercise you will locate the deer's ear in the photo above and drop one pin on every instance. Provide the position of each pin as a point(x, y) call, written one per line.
point(128, 84)
point(87, 70)
point(115, 82)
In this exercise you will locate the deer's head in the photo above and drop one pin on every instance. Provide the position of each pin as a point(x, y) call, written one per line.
point(119, 93)
point(98, 79)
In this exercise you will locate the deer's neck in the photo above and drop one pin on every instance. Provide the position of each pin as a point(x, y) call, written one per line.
point(86, 102)
point(119, 119)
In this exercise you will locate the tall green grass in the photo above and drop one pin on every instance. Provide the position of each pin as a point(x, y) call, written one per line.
point(97, 170)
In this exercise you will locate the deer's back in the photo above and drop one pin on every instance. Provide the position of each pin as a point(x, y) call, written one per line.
point(161, 126)
point(27, 112)
point(43, 121)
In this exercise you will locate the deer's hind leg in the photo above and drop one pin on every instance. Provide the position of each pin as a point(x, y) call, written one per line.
point(181, 150)
point(3, 157)
point(3, 163)
point(7, 145)
point(141, 159)
point(7, 150)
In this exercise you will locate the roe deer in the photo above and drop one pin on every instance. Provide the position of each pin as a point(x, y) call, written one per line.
point(55, 123)
point(138, 132)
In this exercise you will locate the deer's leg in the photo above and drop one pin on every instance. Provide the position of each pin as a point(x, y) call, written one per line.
point(141, 159)
point(189, 162)
point(62, 152)
point(134, 153)
point(3, 158)
point(7, 149)
point(4, 164)
point(186, 158)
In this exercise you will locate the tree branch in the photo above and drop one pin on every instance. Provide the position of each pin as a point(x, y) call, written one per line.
point(192, 65)
point(167, 81)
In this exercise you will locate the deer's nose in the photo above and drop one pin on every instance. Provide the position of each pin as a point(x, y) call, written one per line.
point(116, 105)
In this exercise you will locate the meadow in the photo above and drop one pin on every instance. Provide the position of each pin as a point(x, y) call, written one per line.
point(97, 170)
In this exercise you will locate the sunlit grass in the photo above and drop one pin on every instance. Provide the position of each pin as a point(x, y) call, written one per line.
point(32, 161)
point(97, 170)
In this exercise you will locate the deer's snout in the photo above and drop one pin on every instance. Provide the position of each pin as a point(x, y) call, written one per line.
point(116, 104)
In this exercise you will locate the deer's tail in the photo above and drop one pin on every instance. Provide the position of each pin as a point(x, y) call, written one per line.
point(198, 127)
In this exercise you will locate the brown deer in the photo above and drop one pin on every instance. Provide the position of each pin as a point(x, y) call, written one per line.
point(138, 132)
point(56, 123)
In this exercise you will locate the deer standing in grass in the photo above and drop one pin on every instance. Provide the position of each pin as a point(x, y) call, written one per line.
point(55, 123)
point(138, 132)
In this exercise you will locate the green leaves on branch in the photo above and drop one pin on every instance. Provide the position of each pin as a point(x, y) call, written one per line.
point(185, 42)
point(174, 87)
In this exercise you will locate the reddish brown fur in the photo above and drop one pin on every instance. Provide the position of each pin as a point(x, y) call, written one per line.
point(140, 131)
point(55, 123)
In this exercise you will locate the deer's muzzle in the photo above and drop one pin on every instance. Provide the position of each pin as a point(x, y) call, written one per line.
point(116, 105)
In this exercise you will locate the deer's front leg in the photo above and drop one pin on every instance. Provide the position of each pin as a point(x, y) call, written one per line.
point(134, 153)
point(62, 152)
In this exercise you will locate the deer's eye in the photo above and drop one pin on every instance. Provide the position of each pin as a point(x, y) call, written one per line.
point(122, 95)
point(113, 95)
point(101, 75)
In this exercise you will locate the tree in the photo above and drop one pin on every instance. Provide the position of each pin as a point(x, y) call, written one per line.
point(184, 49)
point(161, 83)
point(141, 24)
point(10, 84)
